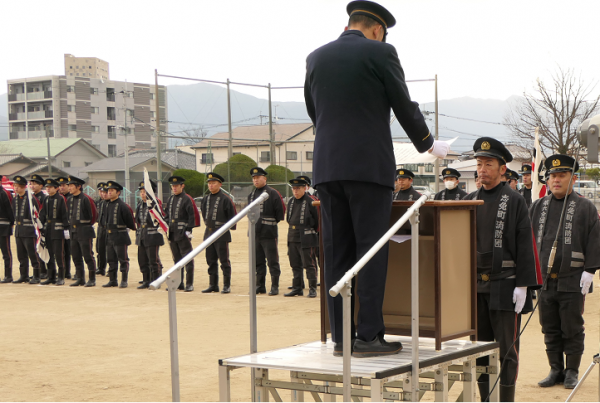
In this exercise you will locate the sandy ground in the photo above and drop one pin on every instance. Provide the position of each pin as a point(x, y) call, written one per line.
point(95, 344)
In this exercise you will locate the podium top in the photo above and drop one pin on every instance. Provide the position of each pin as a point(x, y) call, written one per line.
point(434, 203)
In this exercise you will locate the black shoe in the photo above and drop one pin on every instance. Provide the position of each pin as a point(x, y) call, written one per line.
point(49, 281)
point(555, 377)
point(274, 290)
point(60, 281)
point(338, 348)
point(293, 293)
point(261, 290)
point(90, 283)
point(375, 348)
point(77, 282)
point(181, 287)
point(21, 280)
point(570, 378)
point(6, 280)
point(226, 289)
point(211, 288)
point(111, 283)
point(312, 293)
point(143, 286)
point(189, 288)
point(34, 280)
point(43, 276)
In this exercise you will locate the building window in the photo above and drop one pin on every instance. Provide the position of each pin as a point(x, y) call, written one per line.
point(94, 91)
point(428, 167)
point(96, 129)
point(70, 67)
point(66, 164)
point(70, 88)
point(73, 128)
point(151, 95)
point(412, 167)
point(207, 158)
point(110, 94)
point(265, 156)
point(291, 155)
point(309, 155)
point(112, 132)
point(70, 108)
point(152, 114)
point(112, 150)
point(95, 110)
point(90, 67)
point(110, 113)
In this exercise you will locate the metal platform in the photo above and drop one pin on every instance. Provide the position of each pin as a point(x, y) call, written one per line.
point(387, 378)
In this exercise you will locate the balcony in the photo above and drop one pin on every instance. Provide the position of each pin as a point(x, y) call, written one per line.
point(18, 135)
point(17, 116)
point(39, 95)
point(40, 115)
point(16, 97)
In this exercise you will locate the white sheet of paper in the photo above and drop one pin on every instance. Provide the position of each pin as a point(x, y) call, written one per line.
point(400, 238)
point(406, 153)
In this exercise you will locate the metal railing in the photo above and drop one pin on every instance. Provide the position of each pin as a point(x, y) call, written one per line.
point(344, 287)
point(173, 278)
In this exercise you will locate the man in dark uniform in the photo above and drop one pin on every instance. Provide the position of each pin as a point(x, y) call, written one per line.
point(25, 236)
point(101, 204)
point(271, 212)
point(37, 184)
point(526, 188)
point(64, 190)
point(351, 85)
point(302, 238)
point(217, 208)
point(406, 191)
point(452, 191)
point(311, 191)
point(505, 263)
point(118, 220)
point(55, 218)
point(512, 179)
point(570, 277)
point(148, 239)
point(182, 216)
point(82, 216)
point(7, 220)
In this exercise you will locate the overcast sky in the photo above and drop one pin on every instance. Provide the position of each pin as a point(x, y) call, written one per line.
point(480, 49)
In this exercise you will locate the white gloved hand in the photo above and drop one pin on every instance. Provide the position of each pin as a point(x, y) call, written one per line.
point(440, 148)
point(519, 297)
point(189, 234)
point(67, 234)
point(128, 229)
point(586, 282)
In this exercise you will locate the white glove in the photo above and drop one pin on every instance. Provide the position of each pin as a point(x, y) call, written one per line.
point(67, 234)
point(519, 297)
point(128, 229)
point(440, 148)
point(189, 234)
point(586, 282)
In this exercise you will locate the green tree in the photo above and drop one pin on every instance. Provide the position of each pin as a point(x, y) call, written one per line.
point(279, 174)
point(240, 166)
point(194, 181)
point(593, 174)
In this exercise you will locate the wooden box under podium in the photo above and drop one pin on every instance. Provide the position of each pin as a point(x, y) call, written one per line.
point(447, 274)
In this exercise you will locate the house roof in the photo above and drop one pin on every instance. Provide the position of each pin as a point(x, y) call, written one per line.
point(174, 157)
point(6, 158)
point(41, 168)
point(118, 164)
point(38, 148)
point(249, 135)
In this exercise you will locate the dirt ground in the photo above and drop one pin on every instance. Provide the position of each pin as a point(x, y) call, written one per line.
point(95, 344)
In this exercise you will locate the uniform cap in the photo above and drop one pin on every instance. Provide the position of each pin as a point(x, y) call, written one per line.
point(306, 178)
point(19, 180)
point(101, 186)
point(176, 180)
point(52, 182)
point(153, 184)
point(374, 11)
point(258, 171)
point(113, 185)
point(298, 182)
point(492, 148)
point(404, 173)
point(211, 176)
point(62, 180)
point(560, 163)
point(73, 180)
point(450, 173)
point(526, 169)
point(37, 179)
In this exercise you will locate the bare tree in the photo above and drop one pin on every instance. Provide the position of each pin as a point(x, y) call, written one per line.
point(192, 135)
point(557, 110)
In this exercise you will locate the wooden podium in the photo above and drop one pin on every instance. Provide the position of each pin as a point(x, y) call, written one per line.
point(447, 274)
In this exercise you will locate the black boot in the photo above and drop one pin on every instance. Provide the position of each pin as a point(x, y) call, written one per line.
point(101, 272)
point(572, 371)
point(274, 285)
point(507, 393)
point(23, 278)
point(124, 277)
point(484, 390)
point(557, 365)
point(112, 275)
point(6, 280)
point(260, 285)
point(189, 281)
point(312, 288)
point(226, 285)
point(145, 281)
point(296, 288)
point(51, 278)
point(92, 280)
point(213, 284)
point(36, 277)
point(61, 276)
point(79, 278)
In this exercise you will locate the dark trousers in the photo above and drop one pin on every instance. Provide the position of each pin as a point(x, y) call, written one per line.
point(215, 253)
point(148, 259)
point(82, 250)
point(503, 327)
point(117, 257)
point(6, 255)
point(561, 316)
point(355, 215)
point(101, 249)
point(179, 249)
point(26, 253)
point(267, 253)
point(56, 248)
point(67, 253)
point(302, 258)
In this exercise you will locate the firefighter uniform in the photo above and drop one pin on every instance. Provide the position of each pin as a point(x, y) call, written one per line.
point(55, 218)
point(41, 196)
point(450, 194)
point(64, 190)
point(7, 220)
point(526, 191)
point(148, 239)
point(409, 194)
point(25, 236)
point(101, 231)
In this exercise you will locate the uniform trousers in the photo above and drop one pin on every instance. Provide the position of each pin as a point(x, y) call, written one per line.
point(355, 215)
point(148, 259)
point(302, 258)
point(117, 257)
point(67, 253)
point(179, 249)
point(82, 250)
point(215, 253)
point(267, 253)
point(56, 249)
point(503, 327)
point(26, 253)
point(561, 316)
point(6, 255)
point(101, 248)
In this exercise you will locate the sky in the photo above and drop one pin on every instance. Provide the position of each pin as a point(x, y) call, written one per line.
point(480, 49)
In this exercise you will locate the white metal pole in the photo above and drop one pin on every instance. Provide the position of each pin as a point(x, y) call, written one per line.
point(414, 303)
point(253, 217)
point(347, 342)
point(173, 281)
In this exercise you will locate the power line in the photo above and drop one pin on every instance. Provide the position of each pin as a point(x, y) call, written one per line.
point(461, 118)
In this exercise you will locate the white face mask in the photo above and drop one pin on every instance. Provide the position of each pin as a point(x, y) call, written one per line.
point(450, 184)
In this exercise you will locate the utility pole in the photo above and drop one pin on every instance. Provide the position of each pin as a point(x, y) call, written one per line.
point(158, 141)
point(49, 154)
point(271, 140)
point(436, 168)
point(230, 149)
point(127, 184)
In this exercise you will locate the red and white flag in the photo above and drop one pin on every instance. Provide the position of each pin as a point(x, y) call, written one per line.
point(538, 189)
point(154, 206)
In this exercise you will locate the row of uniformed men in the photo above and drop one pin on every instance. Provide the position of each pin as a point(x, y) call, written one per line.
point(68, 216)
point(508, 224)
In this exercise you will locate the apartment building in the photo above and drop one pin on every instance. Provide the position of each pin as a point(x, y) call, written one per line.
point(90, 67)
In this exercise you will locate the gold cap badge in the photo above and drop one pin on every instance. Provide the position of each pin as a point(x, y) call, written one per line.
point(210, 175)
point(401, 173)
point(18, 178)
point(69, 179)
point(556, 162)
point(142, 184)
point(256, 170)
point(174, 179)
point(447, 172)
point(485, 145)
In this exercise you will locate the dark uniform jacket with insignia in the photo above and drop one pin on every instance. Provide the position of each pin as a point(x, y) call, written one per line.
point(271, 212)
point(450, 194)
point(409, 194)
point(505, 256)
point(118, 217)
point(526, 193)
point(24, 227)
point(216, 210)
point(54, 216)
point(41, 196)
point(81, 217)
point(180, 216)
point(351, 85)
point(101, 206)
point(146, 230)
point(7, 216)
point(578, 239)
point(303, 221)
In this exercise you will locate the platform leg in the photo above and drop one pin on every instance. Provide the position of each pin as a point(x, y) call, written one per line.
point(377, 390)
point(297, 395)
point(495, 363)
point(470, 386)
point(441, 376)
point(261, 394)
point(224, 384)
point(329, 397)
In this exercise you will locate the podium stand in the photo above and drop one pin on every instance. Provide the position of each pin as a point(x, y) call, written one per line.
point(447, 274)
